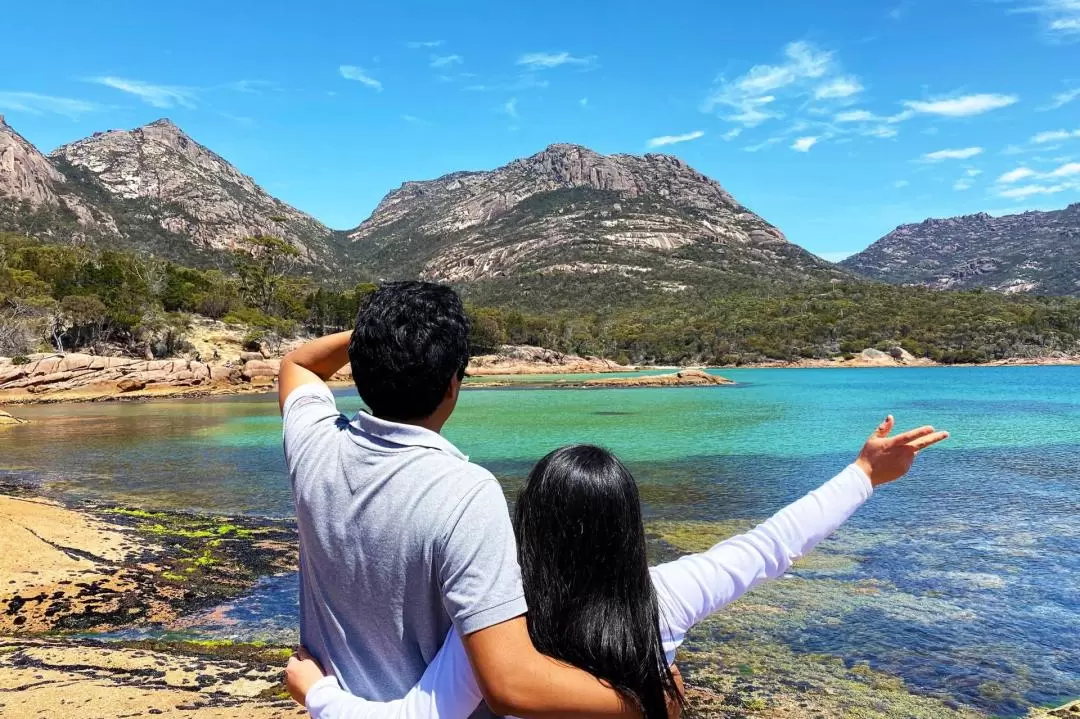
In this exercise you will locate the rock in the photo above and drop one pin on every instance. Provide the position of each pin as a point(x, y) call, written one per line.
point(131, 384)
point(225, 374)
point(261, 368)
point(7, 419)
point(664, 206)
point(263, 381)
point(1019, 253)
point(74, 361)
point(526, 359)
point(12, 373)
point(208, 202)
point(684, 378)
point(251, 357)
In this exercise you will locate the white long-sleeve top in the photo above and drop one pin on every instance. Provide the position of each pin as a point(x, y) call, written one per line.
point(687, 590)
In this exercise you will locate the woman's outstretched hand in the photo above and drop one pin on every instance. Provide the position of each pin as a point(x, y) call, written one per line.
point(301, 673)
point(884, 458)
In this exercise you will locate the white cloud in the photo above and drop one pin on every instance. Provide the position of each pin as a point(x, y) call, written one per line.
point(839, 88)
point(803, 144)
point(510, 107)
point(351, 72)
point(962, 184)
point(584, 102)
point(762, 145)
point(156, 95)
point(1054, 136)
point(900, 183)
point(675, 139)
point(35, 104)
point(766, 92)
point(1067, 170)
point(961, 106)
point(446, 60)
point(1016, 193)
point(855, 116)
point(732, 133)
point(1020, 173)
point(1062, 99)
point(414, 120)
point(416, 44)
point(881, 131)
point(956, 154)
point(1061, 18)
point(545, 60)
point(973, 172)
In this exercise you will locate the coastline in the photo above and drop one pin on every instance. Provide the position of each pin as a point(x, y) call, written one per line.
point(74, 559)
point(101, 379)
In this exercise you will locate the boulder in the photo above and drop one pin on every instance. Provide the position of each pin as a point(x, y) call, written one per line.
point(12, 373)
point(131, 384)
point(225, 374)
point(75, 362)
point(246, 357)
point(261, 368)
point(262, 381)
point(46, 366)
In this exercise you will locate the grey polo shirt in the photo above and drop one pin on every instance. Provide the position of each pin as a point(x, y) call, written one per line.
point(400, 538)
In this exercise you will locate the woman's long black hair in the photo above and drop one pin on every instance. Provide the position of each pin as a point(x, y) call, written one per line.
point(581, 544)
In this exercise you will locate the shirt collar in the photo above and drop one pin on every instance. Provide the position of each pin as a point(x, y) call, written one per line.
point(405, 435)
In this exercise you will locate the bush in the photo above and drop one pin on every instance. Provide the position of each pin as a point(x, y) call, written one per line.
point(20, 360)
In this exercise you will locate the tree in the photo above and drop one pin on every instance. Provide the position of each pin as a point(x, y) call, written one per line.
point(82, 319)
point(263, 263)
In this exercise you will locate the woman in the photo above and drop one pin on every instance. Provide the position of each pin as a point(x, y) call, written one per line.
point(594, 602)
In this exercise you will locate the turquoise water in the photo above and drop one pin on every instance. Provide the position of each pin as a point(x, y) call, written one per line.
point(972, 562)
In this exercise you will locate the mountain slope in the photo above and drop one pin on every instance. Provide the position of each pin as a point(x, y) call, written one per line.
point(150, 189)
point(28, 180)
point(1037, 252)
point(568, 210)
point(202, 196)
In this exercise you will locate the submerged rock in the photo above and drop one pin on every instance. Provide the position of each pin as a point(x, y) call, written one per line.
point(8, 419)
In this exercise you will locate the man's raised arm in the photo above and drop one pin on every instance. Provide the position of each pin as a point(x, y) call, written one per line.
point(316, 361)
point(517, 680)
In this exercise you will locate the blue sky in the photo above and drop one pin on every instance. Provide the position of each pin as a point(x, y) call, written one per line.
point(835, 120)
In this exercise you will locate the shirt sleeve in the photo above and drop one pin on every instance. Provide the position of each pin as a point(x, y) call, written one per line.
point(309, 410)
point(447, 690)
point(477, 563)
point(693, 587)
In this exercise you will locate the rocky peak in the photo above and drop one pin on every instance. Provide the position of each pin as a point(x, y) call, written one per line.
point(197, 193)
point(1029, 252)
point(569, 209)
point(25, 174)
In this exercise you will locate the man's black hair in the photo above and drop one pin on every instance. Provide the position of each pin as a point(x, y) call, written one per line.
point(411, 339)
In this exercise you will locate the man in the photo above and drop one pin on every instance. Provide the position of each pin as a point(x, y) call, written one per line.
point(401, 537)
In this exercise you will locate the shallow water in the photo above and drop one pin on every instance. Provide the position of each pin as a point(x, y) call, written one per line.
point(964, 578)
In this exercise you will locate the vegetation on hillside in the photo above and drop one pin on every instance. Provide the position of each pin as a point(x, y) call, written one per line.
point(77, 296)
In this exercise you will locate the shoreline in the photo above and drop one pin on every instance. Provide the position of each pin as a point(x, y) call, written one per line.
point(215, 679)
point(110, 393)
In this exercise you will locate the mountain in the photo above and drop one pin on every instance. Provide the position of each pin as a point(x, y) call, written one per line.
point(627, 223)
point(152, 188)
point(28, 179)
point(1034, 252)
point(572, 212)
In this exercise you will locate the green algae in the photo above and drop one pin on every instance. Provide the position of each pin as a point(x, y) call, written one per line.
point(763, 679)
point(255, 651)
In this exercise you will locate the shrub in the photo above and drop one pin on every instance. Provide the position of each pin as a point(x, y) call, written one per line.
point(20, 360)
